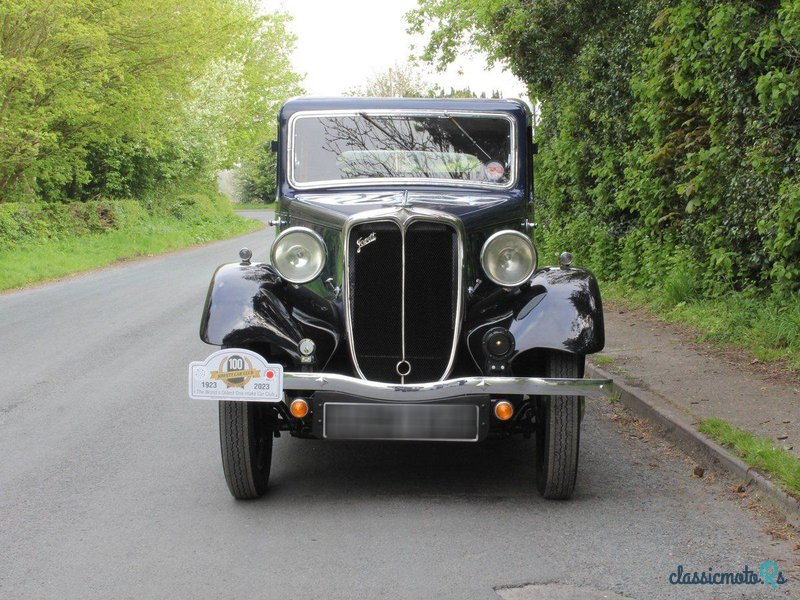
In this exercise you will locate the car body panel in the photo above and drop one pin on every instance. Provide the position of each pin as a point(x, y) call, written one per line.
point(248, 305)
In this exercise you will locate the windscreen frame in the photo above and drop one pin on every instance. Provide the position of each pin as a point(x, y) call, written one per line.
point(401, 181)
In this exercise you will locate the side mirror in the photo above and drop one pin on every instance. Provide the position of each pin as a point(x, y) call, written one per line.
point(274, 145)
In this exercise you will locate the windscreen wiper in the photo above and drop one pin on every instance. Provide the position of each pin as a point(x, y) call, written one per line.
point(468, 136)
point(383, 130)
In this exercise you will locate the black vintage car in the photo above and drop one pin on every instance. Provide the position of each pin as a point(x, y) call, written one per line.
point(402, 299)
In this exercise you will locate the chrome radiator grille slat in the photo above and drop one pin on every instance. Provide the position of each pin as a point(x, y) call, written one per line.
point(403, 297)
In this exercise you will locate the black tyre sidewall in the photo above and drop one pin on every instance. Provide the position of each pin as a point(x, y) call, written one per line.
point(246, 436)
point(558, 432)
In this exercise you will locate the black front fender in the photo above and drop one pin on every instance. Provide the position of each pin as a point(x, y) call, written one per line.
point(561, 309)
point(250, 306)
point(565, 314)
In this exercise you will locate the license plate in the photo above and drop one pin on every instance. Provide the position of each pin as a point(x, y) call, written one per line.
point(364, 421)
point(235, 374)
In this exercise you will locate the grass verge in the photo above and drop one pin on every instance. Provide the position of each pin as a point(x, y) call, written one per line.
point(39, 242)
point(767, 327)
point(602, 360)
point(34, 263)
point(757, 452)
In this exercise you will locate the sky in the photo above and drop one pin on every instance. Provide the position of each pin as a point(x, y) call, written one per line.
point(342, 43)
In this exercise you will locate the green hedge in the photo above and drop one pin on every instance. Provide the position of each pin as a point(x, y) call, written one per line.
point(681, 170)
point(25, 223)
point(30, 222)
point(670, 136)
point(42, 241)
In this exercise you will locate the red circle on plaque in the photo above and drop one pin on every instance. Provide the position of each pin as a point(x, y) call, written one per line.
point(270, 374)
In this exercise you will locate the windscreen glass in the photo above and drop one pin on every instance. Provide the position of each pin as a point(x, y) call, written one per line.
point(466, 148)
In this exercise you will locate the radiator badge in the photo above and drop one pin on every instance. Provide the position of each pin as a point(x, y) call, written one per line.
point(361, 242)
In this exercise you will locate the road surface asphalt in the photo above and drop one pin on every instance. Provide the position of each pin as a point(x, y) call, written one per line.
point(111, 484)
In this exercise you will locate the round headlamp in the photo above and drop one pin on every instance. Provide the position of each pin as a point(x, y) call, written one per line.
point(508, 258)
point(298, 254)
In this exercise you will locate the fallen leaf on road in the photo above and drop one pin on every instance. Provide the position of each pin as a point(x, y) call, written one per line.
point(783, 437)
point(699, 471)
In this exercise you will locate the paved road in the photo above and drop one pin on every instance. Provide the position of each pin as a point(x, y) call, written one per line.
point(111, 484)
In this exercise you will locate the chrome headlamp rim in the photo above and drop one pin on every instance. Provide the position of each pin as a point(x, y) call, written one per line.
point(520, 235)
point(317, 237)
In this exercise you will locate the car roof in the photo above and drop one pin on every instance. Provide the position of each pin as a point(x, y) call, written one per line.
point(307, 103)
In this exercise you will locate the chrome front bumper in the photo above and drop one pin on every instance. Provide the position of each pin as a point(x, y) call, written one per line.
point(438, 390)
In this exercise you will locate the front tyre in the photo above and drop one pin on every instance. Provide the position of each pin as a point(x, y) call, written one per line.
point(245, 435)
point(558, 431)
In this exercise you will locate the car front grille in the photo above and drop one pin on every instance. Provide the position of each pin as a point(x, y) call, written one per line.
point(403, 297)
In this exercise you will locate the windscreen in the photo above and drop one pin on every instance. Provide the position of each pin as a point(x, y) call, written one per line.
point(449, 148)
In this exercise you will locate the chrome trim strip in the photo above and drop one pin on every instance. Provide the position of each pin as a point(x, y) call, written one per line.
point(416, 439)
point(402, 181)
point(437, 390)
point(403, 300)
point(403, 217)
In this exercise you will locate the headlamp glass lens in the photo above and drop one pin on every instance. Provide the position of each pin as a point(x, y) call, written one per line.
point(298, 255)
point(508, 258)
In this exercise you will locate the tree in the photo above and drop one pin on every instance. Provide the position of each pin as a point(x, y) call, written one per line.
point(670, 143)
point(454, 93)
point(97, 93)
point(398, 81)
point(256, 178)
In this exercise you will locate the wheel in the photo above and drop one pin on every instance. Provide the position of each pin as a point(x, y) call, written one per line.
point(558, 431)
point(245, 435)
